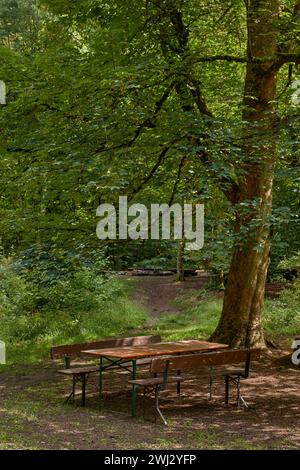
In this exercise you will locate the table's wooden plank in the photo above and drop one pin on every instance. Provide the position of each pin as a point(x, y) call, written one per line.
point(157, 349)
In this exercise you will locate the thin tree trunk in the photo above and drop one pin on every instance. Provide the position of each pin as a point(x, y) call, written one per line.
point(180, 261)
point(240, 322)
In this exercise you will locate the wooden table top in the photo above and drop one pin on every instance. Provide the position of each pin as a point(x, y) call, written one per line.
point(156, 349)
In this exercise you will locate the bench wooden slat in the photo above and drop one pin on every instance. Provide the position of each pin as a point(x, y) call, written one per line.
point(212, 364)
point(156, 380)
point(192, 361)
point(79, 370)
point(70, 350)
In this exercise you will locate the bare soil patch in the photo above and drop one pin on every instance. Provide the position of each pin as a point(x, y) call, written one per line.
point(156, 293)
point(33, 414)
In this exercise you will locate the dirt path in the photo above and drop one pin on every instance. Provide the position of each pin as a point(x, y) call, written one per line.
point(156, 293)
point(33, 414)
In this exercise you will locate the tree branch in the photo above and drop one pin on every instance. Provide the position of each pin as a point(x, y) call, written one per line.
point(199, 100)
point(284, 59)
point(148, 122)
point(189, 83)
point(152, 171)
point(220, 57)
point(278, 59)
point(180, 167)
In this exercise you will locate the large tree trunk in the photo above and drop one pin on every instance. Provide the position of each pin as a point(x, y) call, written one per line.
point(240, 322)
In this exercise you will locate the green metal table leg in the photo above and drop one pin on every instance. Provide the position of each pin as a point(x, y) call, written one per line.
point(133, 402)
point(100, 380)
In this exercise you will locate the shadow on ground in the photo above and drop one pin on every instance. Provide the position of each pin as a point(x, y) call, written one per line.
point(33, 414)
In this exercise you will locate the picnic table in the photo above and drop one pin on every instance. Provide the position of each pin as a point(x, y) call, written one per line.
point(127, 357)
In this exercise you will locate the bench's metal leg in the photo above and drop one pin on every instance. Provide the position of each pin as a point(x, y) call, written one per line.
point(240, 398)
point(146, 391)
point(238, 389)
point(144, 399)
point(178, 383)
point(83, 379)
point(72, 394)
point(100, 379)
point(227, 382)
point(133, 395)
point(68, 398)
point(74, 387)
point(243, 401)
point(211, 381)
point(157, 408)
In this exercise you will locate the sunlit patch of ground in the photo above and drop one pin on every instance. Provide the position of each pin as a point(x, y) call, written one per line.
point(33, 414)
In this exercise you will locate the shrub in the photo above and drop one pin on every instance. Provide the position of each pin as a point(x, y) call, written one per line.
point(282, 315)
point(85, 304)
point(290, 263)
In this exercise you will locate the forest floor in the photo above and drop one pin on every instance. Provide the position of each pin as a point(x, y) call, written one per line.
point(158, 293)
point(33, 414)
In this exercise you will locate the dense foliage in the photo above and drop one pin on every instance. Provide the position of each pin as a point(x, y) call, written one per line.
point(143, 98)
point(92, 106)
point(83, 305)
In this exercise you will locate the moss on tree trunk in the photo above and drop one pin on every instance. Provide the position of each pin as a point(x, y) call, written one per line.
point(240, 322)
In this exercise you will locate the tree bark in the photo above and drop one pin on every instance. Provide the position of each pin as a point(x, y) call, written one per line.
point(240, 323)
point(180, 261)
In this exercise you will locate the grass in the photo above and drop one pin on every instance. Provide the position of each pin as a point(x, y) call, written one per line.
point(201, 312)
point(198, 318)
point(117, 317)
point(281, 319)
point(32, 412)
point(33, 415)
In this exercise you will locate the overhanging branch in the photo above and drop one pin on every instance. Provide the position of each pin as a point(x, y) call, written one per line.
point(277, 60)
point(179, 171)
point(152, 171)
point(148, 122)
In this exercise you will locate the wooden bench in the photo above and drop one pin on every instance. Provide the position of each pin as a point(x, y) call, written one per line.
point(80, 374)
point(211, 364)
